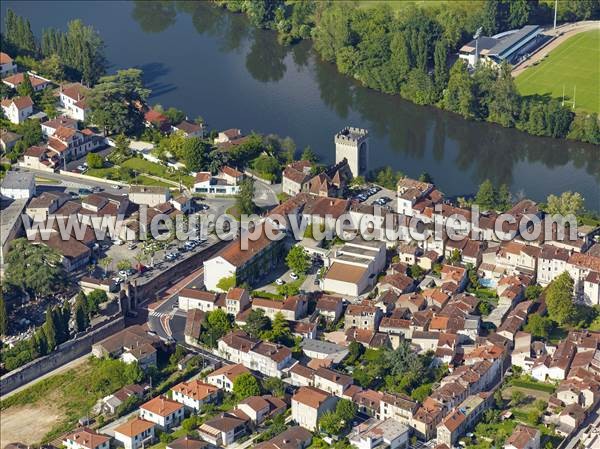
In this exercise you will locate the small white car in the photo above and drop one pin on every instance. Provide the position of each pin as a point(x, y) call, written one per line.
point(116, 186)
point(279, 282)
point(294, 276)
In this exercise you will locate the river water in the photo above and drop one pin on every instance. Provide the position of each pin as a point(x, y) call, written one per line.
point(212, 63)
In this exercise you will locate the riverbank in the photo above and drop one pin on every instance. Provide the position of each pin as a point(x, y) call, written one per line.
point(411, 56)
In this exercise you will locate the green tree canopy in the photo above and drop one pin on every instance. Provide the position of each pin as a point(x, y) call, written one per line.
point(298, 260)
point(559, 299)
point(245, 385)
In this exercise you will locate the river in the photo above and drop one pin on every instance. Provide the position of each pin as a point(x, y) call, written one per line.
point(213, 64)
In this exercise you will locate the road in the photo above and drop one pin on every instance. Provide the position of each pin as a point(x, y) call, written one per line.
point(74, 182)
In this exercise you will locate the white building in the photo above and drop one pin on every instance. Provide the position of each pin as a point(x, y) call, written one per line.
point(17, 109)
point(7, 65)
point(73, 99)
point(135, 433)
point(205, 182)
point(309, 404)
point(149, 195)
point(190, 298)
point(18, 185)
point(194, 394)
point(163, 412)
point(225, 376)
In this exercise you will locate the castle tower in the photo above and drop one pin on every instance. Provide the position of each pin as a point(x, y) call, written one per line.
point(353, 144)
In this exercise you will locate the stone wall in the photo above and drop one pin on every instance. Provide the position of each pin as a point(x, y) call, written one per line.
point(67, 352)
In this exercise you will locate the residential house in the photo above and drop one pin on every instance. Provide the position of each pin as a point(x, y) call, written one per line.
point(135, 433)
point(187, 443)
point(130, 344)
point(330, 307)
point(295, 177)
point(301, 376)
point(191, 298)
point(49, 127)
point(8, 140)
point(7, 65)
point(225, 376)
point(570, 419)
point(37, 82)
point(206, 183)
point(189, 129)
point(331, 381)
point(17, 109)
point(363, 316)
point(228, 135)
point(224, 429)
point(397, 407)
point(84, 438)
point(237, 300)
point(292, 308)
point(323, 350)
point(523, 437)
point(261, 408)
point(309, 404)
point(293, 438)
point(194, 394)
point(267, 358)
point(72, 98)
point(409, 192)
point(156, 119)
point(163, 412)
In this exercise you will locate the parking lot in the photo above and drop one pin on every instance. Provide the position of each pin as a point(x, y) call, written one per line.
point(375, 195)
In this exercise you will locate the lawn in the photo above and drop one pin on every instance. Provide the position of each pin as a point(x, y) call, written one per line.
point(546, 388)
point(142, 168)
point(572, 65)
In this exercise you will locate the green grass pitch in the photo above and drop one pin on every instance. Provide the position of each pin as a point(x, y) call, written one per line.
point(575, 62)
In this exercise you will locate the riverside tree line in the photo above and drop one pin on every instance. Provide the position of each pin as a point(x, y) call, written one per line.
point(408, 54)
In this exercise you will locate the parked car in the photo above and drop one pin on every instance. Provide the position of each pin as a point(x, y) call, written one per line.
point(85, 192)
point(294, 276)
point(123, 273)
point(131, 246)
point(279, 281)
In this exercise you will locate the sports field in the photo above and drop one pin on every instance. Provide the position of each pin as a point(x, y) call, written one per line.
point(575, 65)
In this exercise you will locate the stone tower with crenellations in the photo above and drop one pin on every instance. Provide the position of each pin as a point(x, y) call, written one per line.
point(353, 145)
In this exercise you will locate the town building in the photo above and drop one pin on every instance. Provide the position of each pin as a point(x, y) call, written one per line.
point(225, 376)
point(523, 437)
point(7, 65)
point(149, 195)
point(309, 404)
point(293, 438)
point(135, 433)
point(18, 185)
point(163, 412)
point(260, 408)
point(224, 429)
point(85, 438)
point(194, 394)
point(72, 98)
point(37, 82)
point(189, 129)
point(17, 109)
point(245, 265)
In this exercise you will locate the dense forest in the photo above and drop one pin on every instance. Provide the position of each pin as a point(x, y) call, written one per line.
point(409, 53)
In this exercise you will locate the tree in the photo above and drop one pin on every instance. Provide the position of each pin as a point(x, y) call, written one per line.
point(559, 299)
point(517, 397)
point(298, 260)
point(387, 178)
point(355, 351)
point(115, 101)
point(565, 204)
point(505, 99)
point(50, 329)
point(426, 177)
point(257, 323)
point(195, 152)
point(330, 424)
point(82, 321)
point(3, 316)
point(245, 385)
point(105, 263)
point(533, 292)
point(486, 195)
point(219, 321)
point(504, 199)
point(440, 71)
point(309, 155)
point(94, 160)
point(274, 386)
point(267, 166)
point(420, 393)
point(415, 271)
point(124, 265)
point(226, 283)
point(245, 198)
point(35, 268)
point(280, 329)
point(94, 299)
point(346, 410)
point(25, 89)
